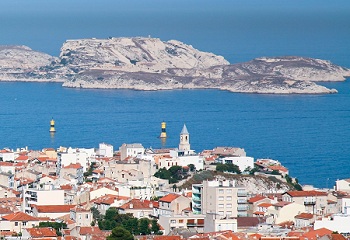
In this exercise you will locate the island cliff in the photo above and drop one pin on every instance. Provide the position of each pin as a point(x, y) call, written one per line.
point(151, 64)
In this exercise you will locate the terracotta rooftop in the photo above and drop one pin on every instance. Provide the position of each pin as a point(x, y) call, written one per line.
point(256, 198)
point(169, 198)
point(54, 208)
point(305, 216)
point(312, 193)
point(265, 205)
point(90, 230)
point(73, 165)
point(316, 234)
point(137, 204)
point(19, 216)
point(42, 232)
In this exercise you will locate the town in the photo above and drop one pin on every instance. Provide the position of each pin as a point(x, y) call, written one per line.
point(169, 193)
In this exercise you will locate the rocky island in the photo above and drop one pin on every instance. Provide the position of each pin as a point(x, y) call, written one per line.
point(151, 64)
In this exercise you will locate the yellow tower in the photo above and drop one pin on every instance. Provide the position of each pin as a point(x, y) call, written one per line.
point(52, 126)
point(163, 133)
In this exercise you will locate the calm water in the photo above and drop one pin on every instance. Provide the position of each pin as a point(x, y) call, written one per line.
point(308, 134)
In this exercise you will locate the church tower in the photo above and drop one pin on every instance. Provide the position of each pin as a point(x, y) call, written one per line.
point(184, 145)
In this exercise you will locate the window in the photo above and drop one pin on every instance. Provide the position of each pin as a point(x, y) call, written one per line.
point(16, 224)
point(221, 205)
point(87, 216)
point(229, 191)
point(229, 198)
point(181, 220)
point(24, 223)
point(229, 205)
point(221, 198)
point(221, 213)
point(229, 213)
point(221, 190)
point(173, 221)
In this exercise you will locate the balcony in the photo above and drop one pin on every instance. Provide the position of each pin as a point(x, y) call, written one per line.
point(196, 199)
point(242, 208)
point(306, 203)
point(241, 193)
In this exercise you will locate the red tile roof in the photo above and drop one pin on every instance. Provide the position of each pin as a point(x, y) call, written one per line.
point(19, 216)
point(53, 208)
point(138, 204)
point(42, 232)
point(265, 205)
point(305, 216)
point(22, 158)
point(90, 230)
point(74, 165)
point(312, 193)
point(169, 198)
point(256, 198)
point(315, 234)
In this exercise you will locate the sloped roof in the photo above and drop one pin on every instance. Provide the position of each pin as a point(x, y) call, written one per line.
point(138, 204)
point(184, 130)
point(19, 216)
point(90, 231)
point(42, 232)
point(256, 198)
point(315, 234)
point(54, 208)
point(305, 216)
point(311, 193)
point(169, 198)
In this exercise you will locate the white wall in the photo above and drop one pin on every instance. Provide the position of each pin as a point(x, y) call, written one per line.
point(339, 223)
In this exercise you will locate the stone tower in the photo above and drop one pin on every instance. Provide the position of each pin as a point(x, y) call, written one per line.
point(184, 145)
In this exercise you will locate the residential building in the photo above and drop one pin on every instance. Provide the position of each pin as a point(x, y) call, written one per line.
point(185, 220)
point(315, 202)
point(130, 150)
point(214, 222)
point(242, 162)
point(105, 150)
point(221, 197)
point(138, 208)
point(45, 196)
point(18, 221)
point(283, 212)
point(173, 204)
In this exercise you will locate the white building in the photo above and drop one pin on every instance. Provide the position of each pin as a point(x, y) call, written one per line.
point(6, 155)
point(83, 156)
point(242, 162)
point(131, 150)
point(220, 197)
point(105, 150)
point(215, 223)
point(338, 223)
point(46, 196)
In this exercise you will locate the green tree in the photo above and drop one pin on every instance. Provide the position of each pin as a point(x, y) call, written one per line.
point(192, 167)
point(58, 226)
point(144, 226)
point(163, 173)
point(120, 233)
point(155, 229)
point(132, 225)
point(95, 213)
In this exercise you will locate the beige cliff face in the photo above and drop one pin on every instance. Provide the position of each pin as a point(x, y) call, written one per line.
point(151, 64)
point(135, 54)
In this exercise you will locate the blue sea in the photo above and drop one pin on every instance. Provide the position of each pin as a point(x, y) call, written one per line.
point(308, 133)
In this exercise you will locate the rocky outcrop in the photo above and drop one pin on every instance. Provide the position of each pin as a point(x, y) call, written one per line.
point(152, 64)
point(22, 63)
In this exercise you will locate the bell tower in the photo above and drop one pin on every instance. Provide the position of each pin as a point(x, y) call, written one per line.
point(184, 145)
